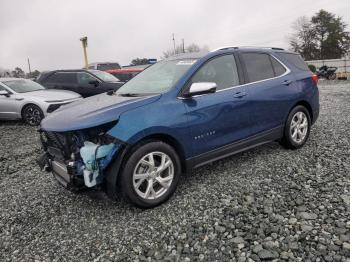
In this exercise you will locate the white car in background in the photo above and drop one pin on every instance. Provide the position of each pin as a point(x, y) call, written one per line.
point(25, 99)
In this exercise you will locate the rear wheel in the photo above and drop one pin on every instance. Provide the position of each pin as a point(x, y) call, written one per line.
point(32, 115)
point(150, 175)
point(332, 77)
point(297, 128)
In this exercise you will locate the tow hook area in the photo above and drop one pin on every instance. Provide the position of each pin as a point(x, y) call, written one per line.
point(96, 158)
point(44, 162)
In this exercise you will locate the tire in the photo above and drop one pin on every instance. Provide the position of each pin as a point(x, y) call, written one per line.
point(332, 77)
point(138, 181)
point(32, 115)
point(296, 132)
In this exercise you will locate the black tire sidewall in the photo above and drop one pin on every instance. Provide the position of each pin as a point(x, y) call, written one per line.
point(125, 183)
point(289, 142)
point(32, 106)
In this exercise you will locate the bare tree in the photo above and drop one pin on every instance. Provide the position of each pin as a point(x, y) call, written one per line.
point(192, 48)
point(303, 38)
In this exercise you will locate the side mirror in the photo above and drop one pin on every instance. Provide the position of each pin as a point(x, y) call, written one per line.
point(94, 82)
point(201, 88)
point(4, 93)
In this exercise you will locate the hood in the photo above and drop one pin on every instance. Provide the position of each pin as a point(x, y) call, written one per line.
point(51, 95)
point(92, 111)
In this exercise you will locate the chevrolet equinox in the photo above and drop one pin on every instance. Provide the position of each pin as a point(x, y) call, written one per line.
point(179, 114)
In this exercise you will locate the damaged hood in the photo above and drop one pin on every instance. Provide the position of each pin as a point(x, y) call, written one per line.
point(92, 111)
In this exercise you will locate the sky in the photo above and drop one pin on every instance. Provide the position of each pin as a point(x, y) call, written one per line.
point(48, 32)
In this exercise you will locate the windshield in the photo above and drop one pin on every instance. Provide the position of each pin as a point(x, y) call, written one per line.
point(158, 78)
point(23, 85)
point(108, 66)
point(107, 77)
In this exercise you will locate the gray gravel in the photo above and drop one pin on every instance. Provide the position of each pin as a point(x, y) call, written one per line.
point(265, 204)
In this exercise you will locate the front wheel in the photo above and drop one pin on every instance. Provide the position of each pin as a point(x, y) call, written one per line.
point(297, 128)
point(32, 115)
point(150, 175)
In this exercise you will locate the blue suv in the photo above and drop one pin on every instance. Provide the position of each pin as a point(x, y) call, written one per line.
point(179, 114)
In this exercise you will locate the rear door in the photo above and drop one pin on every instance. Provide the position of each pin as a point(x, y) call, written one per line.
point(220, 118)
point(270, 88)
point(62, 80)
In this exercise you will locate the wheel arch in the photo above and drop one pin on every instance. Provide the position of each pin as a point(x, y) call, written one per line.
point(168, 139)
point(305, 104)
point(28, 104)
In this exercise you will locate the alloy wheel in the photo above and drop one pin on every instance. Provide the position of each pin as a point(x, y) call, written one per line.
point(153, 175)
point(32, 115)
point(299, 127)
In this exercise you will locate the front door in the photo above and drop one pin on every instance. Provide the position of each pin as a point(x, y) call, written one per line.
point(220, 118)
point(86, 86)
point(8, 106)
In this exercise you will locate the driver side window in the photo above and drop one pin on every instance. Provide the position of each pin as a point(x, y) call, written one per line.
point(221, 70)
point(84, 79)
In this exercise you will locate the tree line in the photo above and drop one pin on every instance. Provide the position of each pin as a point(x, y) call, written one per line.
point(323, 36)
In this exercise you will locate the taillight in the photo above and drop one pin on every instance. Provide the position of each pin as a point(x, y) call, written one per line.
point(314, 79)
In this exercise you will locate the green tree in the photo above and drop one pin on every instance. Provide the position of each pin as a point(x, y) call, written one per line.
point(332, 39)
point(18, 72)
point(324, 36)
point(34, 74)
point(139, 61)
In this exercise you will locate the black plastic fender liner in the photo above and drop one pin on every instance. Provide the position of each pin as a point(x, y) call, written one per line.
point(112, 172)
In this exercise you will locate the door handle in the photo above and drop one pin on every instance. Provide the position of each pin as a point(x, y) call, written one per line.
point(287, 82)
point(239, 94)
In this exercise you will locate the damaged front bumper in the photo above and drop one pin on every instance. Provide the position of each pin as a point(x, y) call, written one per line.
point(77, 159)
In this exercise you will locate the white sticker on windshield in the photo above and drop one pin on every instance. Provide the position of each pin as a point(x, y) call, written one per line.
point(186, 62)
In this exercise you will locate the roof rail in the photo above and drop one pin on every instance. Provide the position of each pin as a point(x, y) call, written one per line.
point(223, 48)
point(238, 47)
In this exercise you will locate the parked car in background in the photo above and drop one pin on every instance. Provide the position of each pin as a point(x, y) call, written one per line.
point(179, 114)
point(104, 66)
point(127, 72)
point(25, 99)
point(84, 82)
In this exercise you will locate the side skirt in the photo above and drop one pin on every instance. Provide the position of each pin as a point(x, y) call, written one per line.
point(234, 148)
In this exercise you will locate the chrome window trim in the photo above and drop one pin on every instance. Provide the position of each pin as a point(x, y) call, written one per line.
point(229, 88)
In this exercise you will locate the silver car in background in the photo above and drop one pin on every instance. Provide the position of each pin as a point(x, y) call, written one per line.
point(25, 99)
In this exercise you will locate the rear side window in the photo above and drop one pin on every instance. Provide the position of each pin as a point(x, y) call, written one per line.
point(258, 66)
point(295, 60)
point(221, 70)
point(104, 67)
point(63, 78)
point(277, 67)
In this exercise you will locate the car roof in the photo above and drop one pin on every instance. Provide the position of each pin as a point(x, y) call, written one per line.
point(97, 63)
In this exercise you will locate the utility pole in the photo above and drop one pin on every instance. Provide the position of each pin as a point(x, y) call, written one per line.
point(30, 71)
point(84, 42)
point(183, 45)
point(174, 44)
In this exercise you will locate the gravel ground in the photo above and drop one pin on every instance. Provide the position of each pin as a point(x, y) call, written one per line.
point(265, 204)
